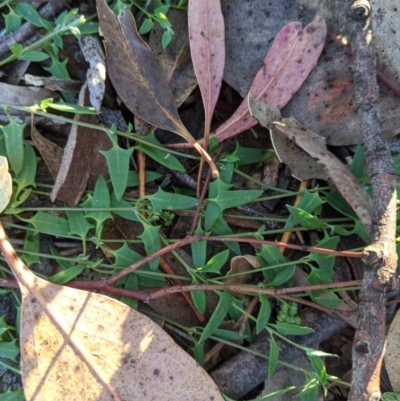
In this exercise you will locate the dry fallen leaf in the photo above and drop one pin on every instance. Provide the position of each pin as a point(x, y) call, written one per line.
point(137, 77)
point(5, 183)
point(302, 166)
point(393, 353)
point(174, 60)
point(51, 153)
point(308, 141)
point(81, 162)
point(85, 346)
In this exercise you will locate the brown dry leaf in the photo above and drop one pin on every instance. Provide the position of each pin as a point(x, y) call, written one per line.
point(301, 164)
point(137, 77)
point(84, 346)
point(51, 153)
point(81, 163)
point(346, 183)
point(241, 264)
point(392, 355)
point(175, 60)
point(344, 180)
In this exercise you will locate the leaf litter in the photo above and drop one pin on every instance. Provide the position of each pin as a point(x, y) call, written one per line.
point(88, 346)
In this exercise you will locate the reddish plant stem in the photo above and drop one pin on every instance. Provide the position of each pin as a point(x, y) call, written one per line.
point(167, 268)
point(199, 237)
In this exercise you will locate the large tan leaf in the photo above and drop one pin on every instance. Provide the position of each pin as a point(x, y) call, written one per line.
point(77, 345)
point(5, 183)
point(393, 353)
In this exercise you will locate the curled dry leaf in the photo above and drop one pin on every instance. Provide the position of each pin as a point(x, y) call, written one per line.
point(52, 154)
point(84, 346)
point(241, 264)
point(137, 77)
point(301, 164)
point(314, 146)
point(81, 162)
point(393, 353)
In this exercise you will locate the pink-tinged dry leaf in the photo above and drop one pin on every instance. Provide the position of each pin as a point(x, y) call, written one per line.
point(137, 77)
point(207, 46)
point(77, 345)
point(291, 58)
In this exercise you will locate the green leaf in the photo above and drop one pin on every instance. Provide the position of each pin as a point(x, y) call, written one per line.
point(132, 284)
point(225, 300)
point(215, 264)
point(283, 276)
point(72, 108)
point(26, 177)
point(48, 224)
point(162, 157)
point(12, 20)
point(31, 244)
point(118, 166)
point(9, 350)
point(126, 214)
point(89, 28)
point(226, 172)
point(270, 256)
point(17, 49)
point(228, 335)
point(273, 356)
point(67, 275)
point(309, 202)
point(162, 200)
point(331, 302)
point(319, 368)
point(305, 219)
point(133, 177)
point(34, 56)
point(152, 242)
point(124, 256)
point(220, 227)
point(14, 140)
point(264, 314)
point(78, 225)
point(17, 395)
point(146, 27)
point(100, 199)
point(199, 249)
point(167, 37)
point(30, 14)
point(288, 329)
point(199, 298)
point(4, 327)
point(251, 155)
point(358, 163)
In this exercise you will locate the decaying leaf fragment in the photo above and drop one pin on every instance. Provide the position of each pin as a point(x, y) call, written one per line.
point(81, 162)
point(84, 346)
point(138, 79)
point(346, 183)
point(393, 353)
